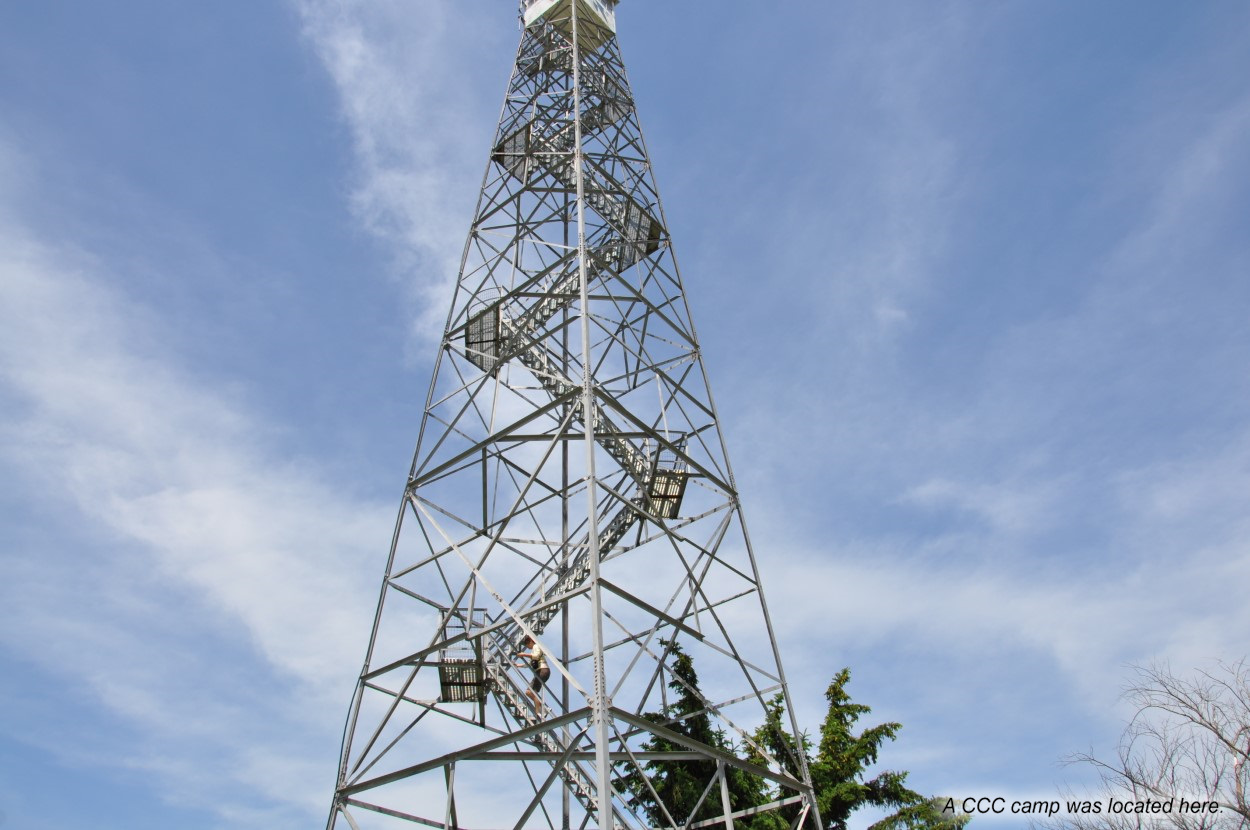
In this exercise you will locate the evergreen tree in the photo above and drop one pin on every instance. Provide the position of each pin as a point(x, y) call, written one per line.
point(840, 769)
point(931, 814)
point(839, 765)
point(679, 785)
point(842, 757)
point(775, 739)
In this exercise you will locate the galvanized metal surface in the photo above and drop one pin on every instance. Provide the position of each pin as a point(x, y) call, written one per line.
point(569, 464)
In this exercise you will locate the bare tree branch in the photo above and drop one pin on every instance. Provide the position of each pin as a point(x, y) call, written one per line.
point(1188, 738)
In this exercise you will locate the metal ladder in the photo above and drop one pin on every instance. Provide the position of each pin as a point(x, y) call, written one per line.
point(512, 696)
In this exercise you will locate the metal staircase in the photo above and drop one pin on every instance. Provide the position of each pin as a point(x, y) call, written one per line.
point(641, 466)
point(494, 336)
point(519, 337)
point(510, 692)
point(529, 150)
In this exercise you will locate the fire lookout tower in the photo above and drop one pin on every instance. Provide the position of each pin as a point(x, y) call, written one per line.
point(570, 500)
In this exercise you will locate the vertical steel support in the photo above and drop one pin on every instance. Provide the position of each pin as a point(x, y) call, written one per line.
point(599, 703)
point(725, 805)
point(449, 820)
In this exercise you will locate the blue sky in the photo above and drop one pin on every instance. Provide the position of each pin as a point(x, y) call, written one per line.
point(972, 282)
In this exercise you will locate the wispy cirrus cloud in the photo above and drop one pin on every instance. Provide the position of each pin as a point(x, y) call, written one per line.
point(198, 589)
point(209, 596)
point(1016, 506)
point(415, 99)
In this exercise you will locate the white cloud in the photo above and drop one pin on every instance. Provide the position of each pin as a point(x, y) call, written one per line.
point(1037, 448)
point(225, 623)
point(419, 122)
point(1005, 506)
point(208, 554)
point(1156, 586)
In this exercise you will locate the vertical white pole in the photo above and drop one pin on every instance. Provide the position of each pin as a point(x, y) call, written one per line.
point(725, 806)
point(599, 703)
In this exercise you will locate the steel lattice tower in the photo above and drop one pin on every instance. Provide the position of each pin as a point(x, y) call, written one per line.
point(570, 483)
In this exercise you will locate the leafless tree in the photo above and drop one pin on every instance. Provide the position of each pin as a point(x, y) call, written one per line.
point(1189, 738)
